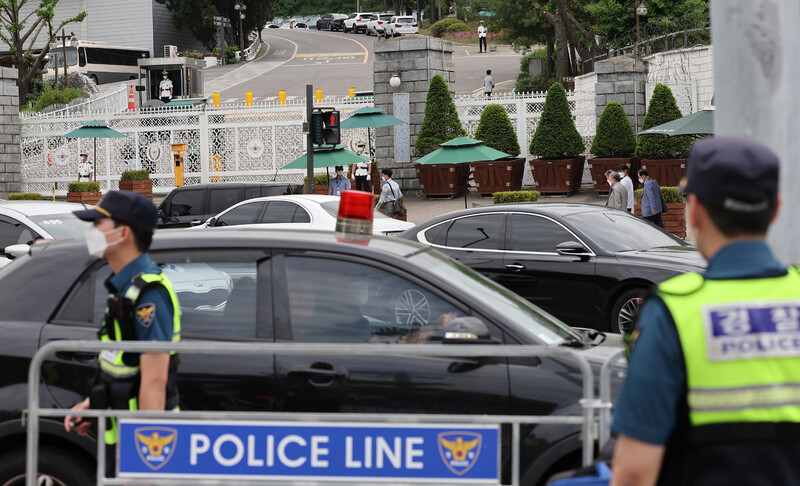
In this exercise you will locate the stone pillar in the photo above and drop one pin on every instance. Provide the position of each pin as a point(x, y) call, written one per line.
point(418, 59)
point(10, 143)
point(622, 79)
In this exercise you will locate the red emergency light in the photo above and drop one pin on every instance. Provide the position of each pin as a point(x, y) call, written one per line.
point(354, 221)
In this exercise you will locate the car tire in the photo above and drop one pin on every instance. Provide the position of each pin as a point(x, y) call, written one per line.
point(93, 78)
point(330, 27)
point(318, 26)
point(626, 310)
point(56, 467)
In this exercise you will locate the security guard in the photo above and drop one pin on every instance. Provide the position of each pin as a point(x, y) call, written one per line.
point(142, 306)
point(712, 394)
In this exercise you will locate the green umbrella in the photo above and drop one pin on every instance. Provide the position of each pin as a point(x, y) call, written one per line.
point(699, 123)
point(462, 150)
point(327, 157)
point(369, 117)
point(95, 130)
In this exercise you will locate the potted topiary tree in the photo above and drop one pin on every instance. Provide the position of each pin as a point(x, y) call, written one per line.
point(440, 124)
point(137, 181)
point(675, 218)
point(496, 131)
point(613, 144)
point(557, 143)
point(664, 157)
point(84, 192)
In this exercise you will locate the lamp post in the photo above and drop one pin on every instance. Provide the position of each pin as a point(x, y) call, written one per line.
point(240, 7)
point(641, 11)
point(73, 42)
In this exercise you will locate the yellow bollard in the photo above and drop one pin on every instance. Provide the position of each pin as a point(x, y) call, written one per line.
point(351, 92)
point(318, 94)
point(282, 96)
point(178, 156)
point(216, 100)
point(248, 97)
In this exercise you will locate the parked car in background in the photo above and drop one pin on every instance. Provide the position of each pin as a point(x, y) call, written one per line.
point(327, 21)
point(357, 22)
point(587, 265)
point(338, 23)
point(375, 25)
point(400, 25)
point(192, 205)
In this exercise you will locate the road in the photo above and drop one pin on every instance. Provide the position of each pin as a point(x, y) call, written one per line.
point(334, 62)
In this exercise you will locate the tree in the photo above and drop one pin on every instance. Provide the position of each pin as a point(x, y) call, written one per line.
point(20, 32)
point(614, 137)
point(556, 136)
point(662, 109)
point(496, 130)
point(441, 121)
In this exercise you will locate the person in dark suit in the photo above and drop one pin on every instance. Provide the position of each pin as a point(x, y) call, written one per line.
point(651, 199)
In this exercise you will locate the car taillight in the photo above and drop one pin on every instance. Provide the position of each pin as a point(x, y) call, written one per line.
point(380, 22)
point(358, 19)
point(398, 25)
point(413, 25)
point(354, 221)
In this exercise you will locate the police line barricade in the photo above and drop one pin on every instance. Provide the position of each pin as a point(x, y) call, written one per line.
point(467, 446)
point(604, 418)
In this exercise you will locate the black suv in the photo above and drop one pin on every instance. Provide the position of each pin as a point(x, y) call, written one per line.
point(192, 205)
point(295, 287)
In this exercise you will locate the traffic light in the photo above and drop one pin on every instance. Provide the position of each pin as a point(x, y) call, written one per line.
point(325, 127)
point(316, 128)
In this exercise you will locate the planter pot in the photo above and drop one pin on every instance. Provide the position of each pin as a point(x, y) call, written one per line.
point(84, 197)
point(376, 180)
point(561, 176)
point(674, 219)
point(442, 179)
point(599, 165)
point(145, 188)
point(404, 217)
point(668, 172)
point(498, 175)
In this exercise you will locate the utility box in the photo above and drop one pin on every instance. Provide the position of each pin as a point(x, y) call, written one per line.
point(536, 67)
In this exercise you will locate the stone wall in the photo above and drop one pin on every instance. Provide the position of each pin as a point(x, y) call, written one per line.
point(10, 143)
point(622, 79)
point(696, 63)
point(418, 59)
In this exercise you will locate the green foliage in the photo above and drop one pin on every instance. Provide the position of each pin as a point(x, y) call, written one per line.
point(614, 18)
point(515, 197)
point(496, 130)
point(457, 27)
point(197, 16)
point(556, 136)
point(662, 109)
point(230, 54)
point(441, 121)
point(27, 196)
point(528, 84)
point(670, 194)
point(83, 187)
point(135, 175)
point(51, 96)
point(614, 136)
point(440, 27)
point(319, 179)
point(524, 62)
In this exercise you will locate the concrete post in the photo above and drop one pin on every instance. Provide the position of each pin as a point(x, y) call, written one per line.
point(756, 95)
point(418, 59)
point(10, 143)
point(622, 79)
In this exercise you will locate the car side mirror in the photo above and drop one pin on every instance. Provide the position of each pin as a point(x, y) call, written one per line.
point(15, 251)
point(572, 248)
point(466, 330)
point(212, 222)
point(590, 336)
point(163, 215)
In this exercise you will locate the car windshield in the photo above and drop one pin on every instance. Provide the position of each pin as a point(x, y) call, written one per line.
point(615, 231)
point(332, 208)
point(63, 225)
point(480, 292)
point(406, 20)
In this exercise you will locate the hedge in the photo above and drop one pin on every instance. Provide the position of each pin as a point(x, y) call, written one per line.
point(27, 196)
point(515, 196)
point(556, 136)
point(670, 194)
point(135, 175)
point(83, 187)
point(439, 28)
point(319, 179)
point(441, 122)
point(496, 130)
point(457, 27)
point(614, 136)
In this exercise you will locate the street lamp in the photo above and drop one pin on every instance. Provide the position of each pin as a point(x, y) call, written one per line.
point(641, 11)
point(240, 7)
point(74, 43)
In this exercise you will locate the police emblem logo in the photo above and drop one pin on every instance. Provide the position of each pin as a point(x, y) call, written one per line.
point(459, 450)
point(145, 314)
point(155, 445)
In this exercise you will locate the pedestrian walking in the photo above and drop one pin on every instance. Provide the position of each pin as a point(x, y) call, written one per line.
point(488, 84)
point(618, 195)
point(339, 183)
point(710, 394)
point(651, 199)
point(628, 183)
point(390, 195)
point(482, 30)
point(85, 170)
point(142, 306)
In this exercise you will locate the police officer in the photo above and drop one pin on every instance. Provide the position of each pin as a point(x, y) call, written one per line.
point(712, 394)
point(142, 306)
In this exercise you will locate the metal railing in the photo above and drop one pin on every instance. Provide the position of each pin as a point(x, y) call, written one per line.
point(253, 49)
point(588, 402)
point(604, 418)
point(106, 103)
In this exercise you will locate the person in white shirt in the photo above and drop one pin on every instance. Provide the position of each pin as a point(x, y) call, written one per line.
point(628, 183)
point(85, 169)
point(360, 174)
point(165, 88)
point(482, 38)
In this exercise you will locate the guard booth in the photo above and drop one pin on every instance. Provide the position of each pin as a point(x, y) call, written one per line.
point(185, 73)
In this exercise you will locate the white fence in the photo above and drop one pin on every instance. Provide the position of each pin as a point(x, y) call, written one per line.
point(229, 143)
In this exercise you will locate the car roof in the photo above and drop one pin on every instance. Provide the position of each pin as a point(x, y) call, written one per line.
point(224, 185)
point(34, 208)
point(318, 198)
point(548, 208)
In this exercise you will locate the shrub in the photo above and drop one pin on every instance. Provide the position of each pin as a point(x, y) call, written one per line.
point(670, 194)
point(28, 196)
point(457, 27)
point(441, 121)
point(515, 197)
point(662, 109)
point(614, 136)
point(556, 136)
point(319, 179)
point(528, 84)
point(52, 96)
point(440, 27)
point(135, 175)
point(230, 54)
point(496, 130)
point(524, 62)
point(83, 187)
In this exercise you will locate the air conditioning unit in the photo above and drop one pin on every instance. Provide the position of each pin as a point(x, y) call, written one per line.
point(170, 51)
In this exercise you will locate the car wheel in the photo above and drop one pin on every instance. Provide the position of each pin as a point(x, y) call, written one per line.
point(412, 309)
point(330, 27)
point(56, 468)
point(626, 310)
point(318, 26)
point(93, 78)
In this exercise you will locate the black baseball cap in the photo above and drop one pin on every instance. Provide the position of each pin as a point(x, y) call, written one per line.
point(734, 174)
point(127, 207)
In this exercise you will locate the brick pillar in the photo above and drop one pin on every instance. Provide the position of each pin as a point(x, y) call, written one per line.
point(10, 144)
point(418, 59)
point(622, 79)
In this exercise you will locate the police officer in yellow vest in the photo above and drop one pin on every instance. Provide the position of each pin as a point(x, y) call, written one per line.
point(712, 394)
point(142, 306)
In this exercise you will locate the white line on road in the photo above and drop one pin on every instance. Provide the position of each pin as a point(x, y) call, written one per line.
point(249, 71)
point(366, 51)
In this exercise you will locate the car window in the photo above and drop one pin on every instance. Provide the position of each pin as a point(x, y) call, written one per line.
point(186, 203)
point(386, 17)
point(280, 212)
point(343, 301)
point(474, 232)
point(14, 233)
point(244, 214)
point(616, 231)
point(406, 20)
point(536, 234)
point(222, 199)
point(64, 225)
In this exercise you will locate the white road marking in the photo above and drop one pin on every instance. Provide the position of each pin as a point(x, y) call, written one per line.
point(249, 71)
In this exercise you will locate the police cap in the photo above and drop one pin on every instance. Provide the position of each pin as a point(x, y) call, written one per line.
point(734, 174)
point(127, 207)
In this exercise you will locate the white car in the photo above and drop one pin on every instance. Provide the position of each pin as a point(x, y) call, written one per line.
point(375, 25)
point(357, 22)
point(400, 25)
point(301, 211)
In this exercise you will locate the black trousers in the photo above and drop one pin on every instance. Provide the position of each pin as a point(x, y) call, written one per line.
point(655, 219)
point(362, 184)
point(482, 44)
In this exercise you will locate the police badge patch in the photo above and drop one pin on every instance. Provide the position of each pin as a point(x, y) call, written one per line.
point(145, 314)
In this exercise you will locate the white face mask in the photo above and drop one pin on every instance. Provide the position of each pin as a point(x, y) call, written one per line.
point(96, 241)
point(610, 182)
point(641, 181)
point(339, 173)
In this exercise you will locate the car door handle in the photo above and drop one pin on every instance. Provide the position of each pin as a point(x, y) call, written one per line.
point(314, 372)
point(515, 268)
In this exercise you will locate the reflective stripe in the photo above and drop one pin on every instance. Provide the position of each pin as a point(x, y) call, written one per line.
point(118, 370)
point(749, 397)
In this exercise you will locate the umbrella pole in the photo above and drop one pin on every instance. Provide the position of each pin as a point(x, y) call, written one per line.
point(94, 174)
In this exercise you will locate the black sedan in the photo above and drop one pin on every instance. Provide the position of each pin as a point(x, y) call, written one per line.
point(331, 21)
point(279, 286)
point(587, 265)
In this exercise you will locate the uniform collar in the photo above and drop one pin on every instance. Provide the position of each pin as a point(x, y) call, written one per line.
point(118, 282)
point(744, 259)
